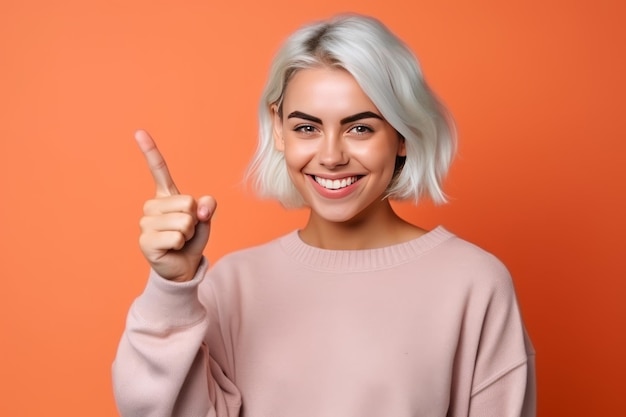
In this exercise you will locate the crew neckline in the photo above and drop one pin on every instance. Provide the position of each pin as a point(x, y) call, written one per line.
point(352, 260)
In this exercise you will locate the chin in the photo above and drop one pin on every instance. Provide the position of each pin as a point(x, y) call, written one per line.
point(338, 214)
point(339, 218)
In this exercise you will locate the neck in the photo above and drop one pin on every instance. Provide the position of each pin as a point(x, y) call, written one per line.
point(379, 228)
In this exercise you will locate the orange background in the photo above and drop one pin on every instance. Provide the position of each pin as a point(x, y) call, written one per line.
point(537, 88)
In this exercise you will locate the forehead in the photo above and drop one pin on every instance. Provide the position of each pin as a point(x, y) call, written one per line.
point(326, 91)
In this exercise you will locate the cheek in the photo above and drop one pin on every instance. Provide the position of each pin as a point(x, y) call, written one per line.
point(377, 157)
point(298, 153)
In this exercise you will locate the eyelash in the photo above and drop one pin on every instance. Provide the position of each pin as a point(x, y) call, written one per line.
point(365, 129)
point(308, 129)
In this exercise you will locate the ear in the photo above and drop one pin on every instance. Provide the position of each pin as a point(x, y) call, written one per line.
point(277, 129)
point(401, 146)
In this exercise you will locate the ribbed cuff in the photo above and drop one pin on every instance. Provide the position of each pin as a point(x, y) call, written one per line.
point(167, 304)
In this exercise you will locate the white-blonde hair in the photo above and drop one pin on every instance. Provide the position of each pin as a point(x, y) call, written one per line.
point(390, 75)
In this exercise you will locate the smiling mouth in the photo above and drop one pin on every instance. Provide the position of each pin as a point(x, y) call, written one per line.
point(336, 184)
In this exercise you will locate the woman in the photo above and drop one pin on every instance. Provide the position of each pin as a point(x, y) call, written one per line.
point(359, 313)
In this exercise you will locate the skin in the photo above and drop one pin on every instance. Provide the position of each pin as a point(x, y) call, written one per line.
point(328, 128)
point(174, 228)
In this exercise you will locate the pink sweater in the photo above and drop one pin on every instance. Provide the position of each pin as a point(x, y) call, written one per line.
point(429, 328)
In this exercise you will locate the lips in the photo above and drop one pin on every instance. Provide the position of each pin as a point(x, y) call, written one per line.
point(335, 184)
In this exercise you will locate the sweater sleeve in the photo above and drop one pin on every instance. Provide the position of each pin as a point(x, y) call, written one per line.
point(163, 366)
point(504, 374)
point(511, 394)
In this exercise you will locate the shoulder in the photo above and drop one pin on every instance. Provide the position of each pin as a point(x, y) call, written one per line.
point(466, 262)
point(467, 254)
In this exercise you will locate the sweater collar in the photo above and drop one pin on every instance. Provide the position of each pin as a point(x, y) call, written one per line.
point(361, 260)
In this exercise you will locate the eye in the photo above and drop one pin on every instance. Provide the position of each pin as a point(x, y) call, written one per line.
point(306, 129)
point(361, 130)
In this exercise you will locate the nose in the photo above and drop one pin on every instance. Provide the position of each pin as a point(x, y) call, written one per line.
point(331, 153)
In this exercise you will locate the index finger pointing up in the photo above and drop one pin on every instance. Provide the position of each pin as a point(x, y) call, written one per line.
point(158, 168)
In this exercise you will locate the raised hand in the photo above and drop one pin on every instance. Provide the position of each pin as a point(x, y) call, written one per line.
point(175, 227)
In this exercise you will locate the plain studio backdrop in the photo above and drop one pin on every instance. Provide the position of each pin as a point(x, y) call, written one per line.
point(536, 87)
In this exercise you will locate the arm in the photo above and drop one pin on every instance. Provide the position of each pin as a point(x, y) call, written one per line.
point(504, 374)
point(163, 367)
point(511, 394)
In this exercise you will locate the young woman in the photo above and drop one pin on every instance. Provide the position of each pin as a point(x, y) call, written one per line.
point(359, 313)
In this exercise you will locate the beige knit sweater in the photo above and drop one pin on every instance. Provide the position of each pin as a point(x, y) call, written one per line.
point(428, 328)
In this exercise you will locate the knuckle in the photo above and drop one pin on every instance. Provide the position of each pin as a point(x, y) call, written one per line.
point(179, 241)
point(187, 222)
point(160, 164)
point(154, 206)
point(147, 206)
point(187, 202)
point(143, 242)
point(143, 223)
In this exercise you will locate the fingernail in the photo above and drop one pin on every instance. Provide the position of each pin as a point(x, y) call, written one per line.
point(204, 211)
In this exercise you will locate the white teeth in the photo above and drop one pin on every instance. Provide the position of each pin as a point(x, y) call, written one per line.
point(335, 184)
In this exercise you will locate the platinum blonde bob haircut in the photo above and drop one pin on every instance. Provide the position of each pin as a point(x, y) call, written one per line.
point(390, 75)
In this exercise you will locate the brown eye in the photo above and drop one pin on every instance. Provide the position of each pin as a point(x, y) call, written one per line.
point(361, 129)
point(307, 129)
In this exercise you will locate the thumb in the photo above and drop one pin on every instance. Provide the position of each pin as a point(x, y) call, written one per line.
point(205, 208)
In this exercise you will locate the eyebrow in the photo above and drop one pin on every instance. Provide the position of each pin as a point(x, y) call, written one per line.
point(349, 119)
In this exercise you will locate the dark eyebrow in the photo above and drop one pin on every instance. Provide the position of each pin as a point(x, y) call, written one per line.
point(349, 119)
point(359, 116)
point(304, 116)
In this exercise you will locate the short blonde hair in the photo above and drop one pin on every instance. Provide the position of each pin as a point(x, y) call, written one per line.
point(390, 75)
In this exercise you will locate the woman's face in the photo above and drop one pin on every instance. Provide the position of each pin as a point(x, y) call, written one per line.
point(340, 152)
